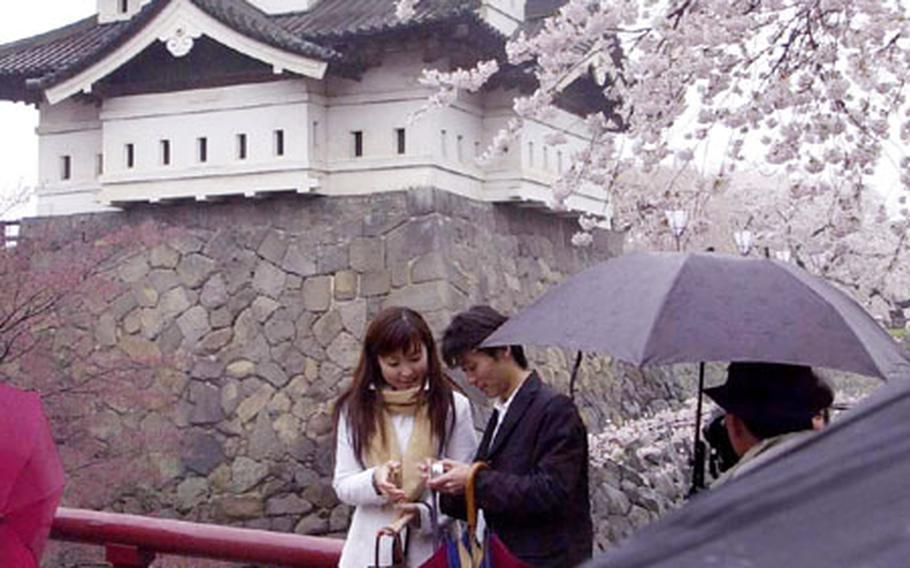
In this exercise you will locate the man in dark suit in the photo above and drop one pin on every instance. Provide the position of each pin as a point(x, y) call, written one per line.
point(535, 492)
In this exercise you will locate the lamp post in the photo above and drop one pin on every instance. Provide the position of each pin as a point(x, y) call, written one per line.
point(677, 219)
point(743, 240)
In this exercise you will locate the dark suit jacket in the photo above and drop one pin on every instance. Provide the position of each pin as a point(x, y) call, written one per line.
point(535, 494)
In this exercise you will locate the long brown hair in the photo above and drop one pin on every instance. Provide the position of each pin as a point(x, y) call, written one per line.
point(391, 330)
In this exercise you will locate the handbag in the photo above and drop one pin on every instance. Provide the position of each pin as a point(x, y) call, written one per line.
point(465, 549)
point(399, 550)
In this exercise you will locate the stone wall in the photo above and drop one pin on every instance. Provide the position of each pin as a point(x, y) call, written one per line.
point(263, 303)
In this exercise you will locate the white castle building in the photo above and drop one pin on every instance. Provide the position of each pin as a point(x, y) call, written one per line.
point(159, 100)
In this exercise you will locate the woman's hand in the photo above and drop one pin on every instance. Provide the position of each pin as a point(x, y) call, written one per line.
point(411, 511)
point(384, 481)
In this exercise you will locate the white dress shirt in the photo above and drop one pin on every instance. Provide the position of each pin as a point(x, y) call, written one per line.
point(502, 407)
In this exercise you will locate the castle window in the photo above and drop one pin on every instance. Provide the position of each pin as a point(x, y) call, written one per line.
point(476, 149)
point(546, 158)
point(165, 152)
point(99, 164)
point(279, 142)
point(559, 162)
point(66, 167)
point(358, 143)
point(315, 134)
point(531, 154)
point(458, 143)
point(10, 234)
point(130, 155)
point(241, 146)
point(124, 6)
point(400, 141)
point(443, 142)
point(202, 149)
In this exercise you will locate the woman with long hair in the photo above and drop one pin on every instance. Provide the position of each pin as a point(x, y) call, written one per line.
point(399, 411)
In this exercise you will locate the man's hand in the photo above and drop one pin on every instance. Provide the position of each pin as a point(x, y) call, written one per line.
point(384, 477)
point(453, 481)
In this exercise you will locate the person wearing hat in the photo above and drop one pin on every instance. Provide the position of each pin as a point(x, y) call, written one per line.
point(768, 407)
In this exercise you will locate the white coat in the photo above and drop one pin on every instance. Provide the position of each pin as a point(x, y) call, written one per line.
point(354, 486)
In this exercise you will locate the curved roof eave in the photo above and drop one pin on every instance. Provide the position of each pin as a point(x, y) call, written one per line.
point(43, 63)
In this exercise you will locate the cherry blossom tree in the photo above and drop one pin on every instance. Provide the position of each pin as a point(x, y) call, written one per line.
point(56, 283)
point(702, 90)
point(657, 444)
point(860, 248)
point(52, 289)
point(811, 86)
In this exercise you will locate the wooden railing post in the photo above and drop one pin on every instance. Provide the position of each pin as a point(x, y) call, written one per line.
point(125, 556)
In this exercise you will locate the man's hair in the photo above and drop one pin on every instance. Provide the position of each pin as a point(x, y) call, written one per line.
point(469, 329)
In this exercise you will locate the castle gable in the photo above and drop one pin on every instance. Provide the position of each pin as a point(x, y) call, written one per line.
point(169, 100)
point(71, 60)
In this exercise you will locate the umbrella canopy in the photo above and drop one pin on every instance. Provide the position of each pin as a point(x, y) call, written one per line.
point(31, 477)
point(839, 499)
point(662, 308)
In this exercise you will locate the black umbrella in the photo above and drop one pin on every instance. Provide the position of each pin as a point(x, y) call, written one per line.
point(662, 308)
point(839, 499)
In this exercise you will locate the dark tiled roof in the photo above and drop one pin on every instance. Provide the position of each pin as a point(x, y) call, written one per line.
point(541, 8)
point(360, 17)
point(250, 21)
point(536, 12)
point(52, 57)
point(47, 59)
point(58, 49)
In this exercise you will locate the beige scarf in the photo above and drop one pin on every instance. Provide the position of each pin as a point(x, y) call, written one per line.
point(422, 445)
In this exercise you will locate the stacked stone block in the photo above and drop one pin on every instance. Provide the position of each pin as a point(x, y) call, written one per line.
point(265, 302)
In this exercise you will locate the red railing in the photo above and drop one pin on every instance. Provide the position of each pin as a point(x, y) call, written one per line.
point(132, 541)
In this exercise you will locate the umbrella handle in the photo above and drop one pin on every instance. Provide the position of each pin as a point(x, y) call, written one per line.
point(470, 496)
point(574, 375)
point(698, 446)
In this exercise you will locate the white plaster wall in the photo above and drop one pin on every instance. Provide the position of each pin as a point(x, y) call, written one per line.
point(318, 119)
point(527, 172)
point(497, 114)
point(70, 203)
point(219, 115)
point(109, 10)
point(398, 74)
point(503, 15)
point(382, 102)
point(317, 137)
point(68, 129)
point(558, 157)
point(283, 6)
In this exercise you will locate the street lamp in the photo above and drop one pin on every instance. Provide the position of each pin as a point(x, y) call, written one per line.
point(743, 240)
point(677, 219)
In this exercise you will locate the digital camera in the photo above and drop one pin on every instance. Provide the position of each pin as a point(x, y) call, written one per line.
point(721, 455)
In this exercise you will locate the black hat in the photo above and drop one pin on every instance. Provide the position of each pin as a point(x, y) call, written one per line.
point(772, 390)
